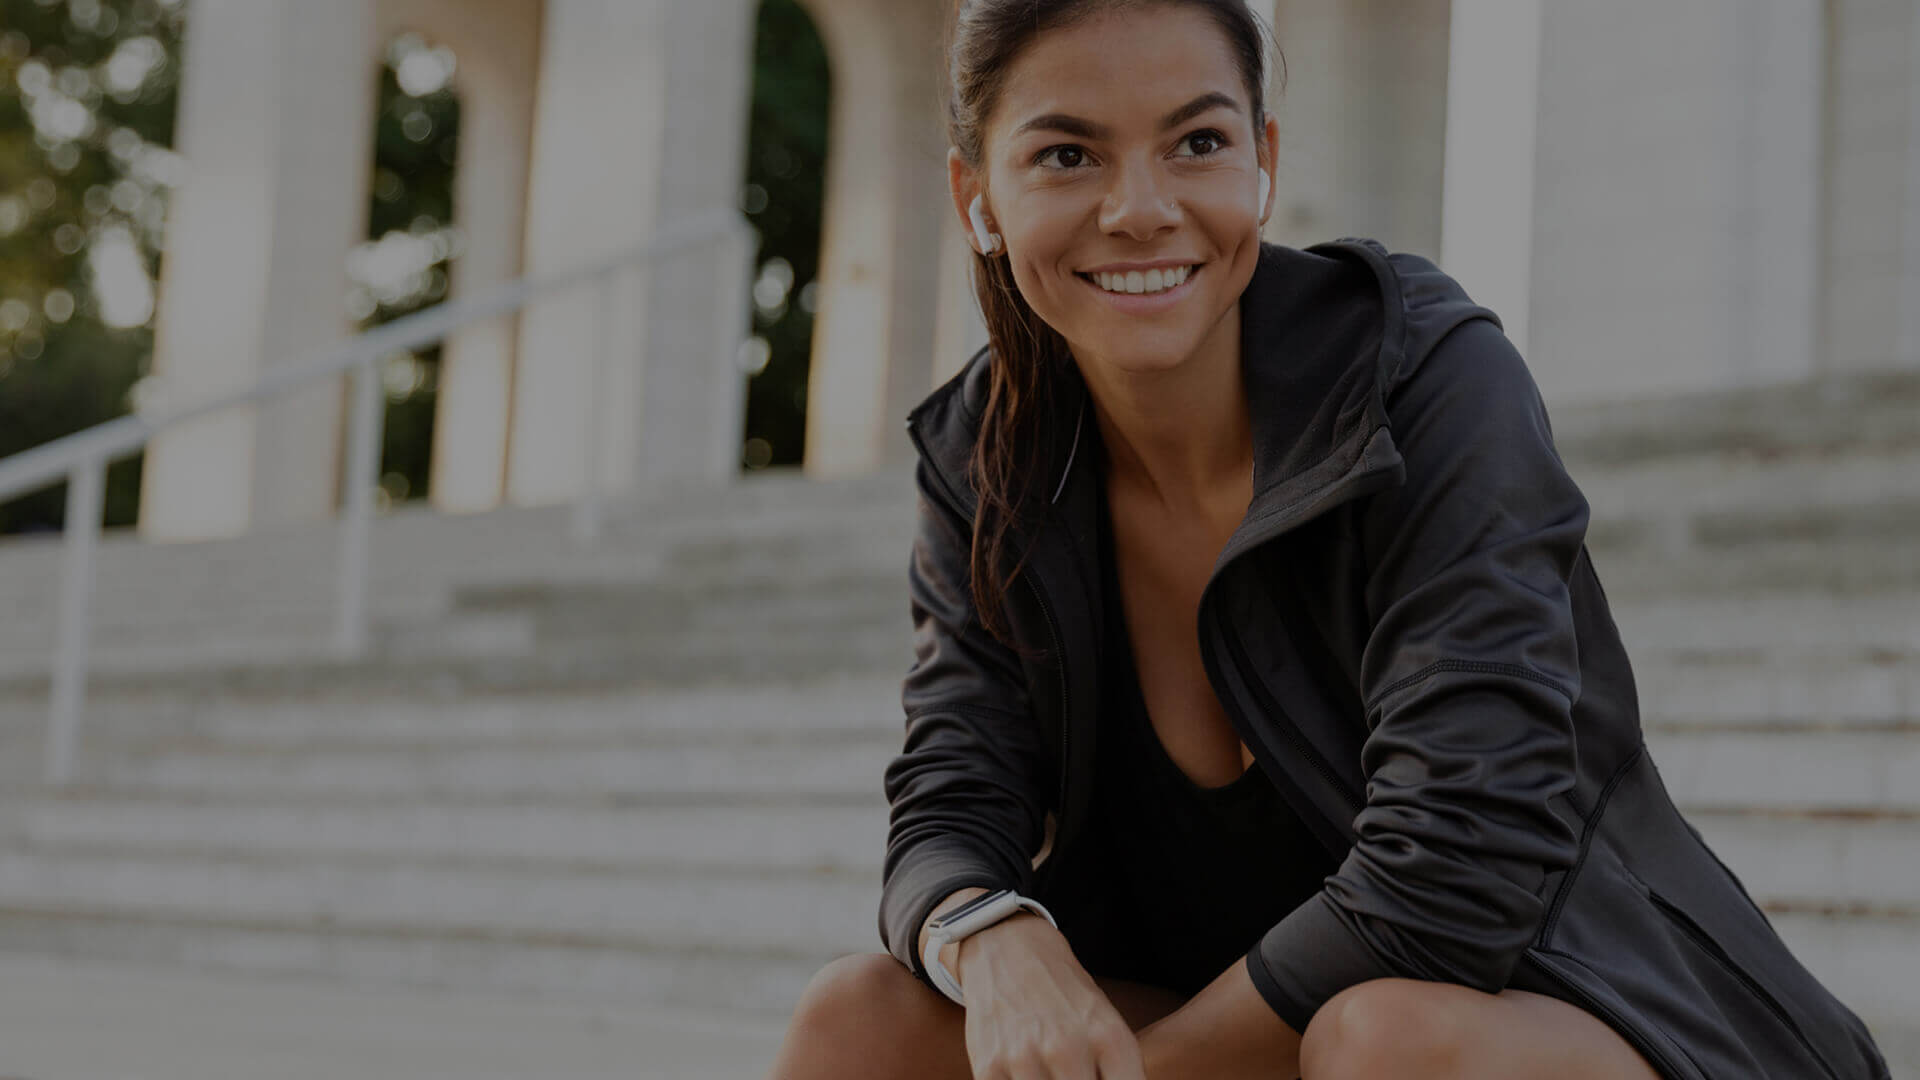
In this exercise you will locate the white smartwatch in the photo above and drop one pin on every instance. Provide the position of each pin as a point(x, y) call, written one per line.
point(971, 917)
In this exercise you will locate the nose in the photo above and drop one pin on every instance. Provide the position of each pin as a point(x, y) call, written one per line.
point(1138, 203)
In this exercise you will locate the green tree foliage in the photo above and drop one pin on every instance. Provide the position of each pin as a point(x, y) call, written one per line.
point(87, 109)
point(416, 142)
point(87, 93)
point(786, 166)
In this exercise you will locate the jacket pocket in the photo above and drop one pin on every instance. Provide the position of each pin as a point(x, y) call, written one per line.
point(1742, 982)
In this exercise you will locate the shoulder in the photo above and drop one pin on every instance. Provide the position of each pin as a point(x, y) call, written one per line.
point(1421, 306)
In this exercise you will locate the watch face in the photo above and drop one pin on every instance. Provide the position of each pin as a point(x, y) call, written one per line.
point(951, 917)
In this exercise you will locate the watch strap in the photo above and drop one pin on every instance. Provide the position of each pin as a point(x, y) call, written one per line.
point(945, 980)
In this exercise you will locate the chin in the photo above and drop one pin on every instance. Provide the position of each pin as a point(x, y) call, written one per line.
point(1137, 352)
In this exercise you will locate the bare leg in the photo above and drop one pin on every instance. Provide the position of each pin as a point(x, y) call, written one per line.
point(865, 1017)
point(1444, 1031)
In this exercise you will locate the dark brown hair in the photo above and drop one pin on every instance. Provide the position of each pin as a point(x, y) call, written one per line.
point(1029, 362)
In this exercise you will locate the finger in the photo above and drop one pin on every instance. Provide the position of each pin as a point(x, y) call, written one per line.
point(1076, 1064)
point(1038, 1067)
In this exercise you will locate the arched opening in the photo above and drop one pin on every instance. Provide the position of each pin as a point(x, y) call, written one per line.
point(783, 196)
point(411, 239)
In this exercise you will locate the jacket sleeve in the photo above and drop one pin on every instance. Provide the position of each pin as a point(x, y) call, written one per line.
point(967, 791)
point(1469, 675)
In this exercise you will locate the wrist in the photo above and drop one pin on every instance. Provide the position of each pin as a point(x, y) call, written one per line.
point(985, 916)
point(957, 956)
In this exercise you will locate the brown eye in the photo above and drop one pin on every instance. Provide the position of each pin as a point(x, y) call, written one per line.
point(1203, 143)
point(1065, 157)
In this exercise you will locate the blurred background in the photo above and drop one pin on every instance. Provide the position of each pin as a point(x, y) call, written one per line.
point(456, 498)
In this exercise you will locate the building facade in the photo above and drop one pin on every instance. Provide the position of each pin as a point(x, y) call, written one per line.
point(1657, 197)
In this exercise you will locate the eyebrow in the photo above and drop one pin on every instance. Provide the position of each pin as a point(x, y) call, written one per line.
point(1086, 129)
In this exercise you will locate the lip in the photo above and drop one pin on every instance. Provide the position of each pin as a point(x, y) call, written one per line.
point(1146, 303)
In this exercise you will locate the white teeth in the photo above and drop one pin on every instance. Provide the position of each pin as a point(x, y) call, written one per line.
point(1135, 282)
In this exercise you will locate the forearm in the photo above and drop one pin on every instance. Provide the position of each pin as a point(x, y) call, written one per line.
point(1226, 1032)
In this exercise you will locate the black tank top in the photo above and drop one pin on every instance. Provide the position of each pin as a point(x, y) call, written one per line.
point(1207, 870)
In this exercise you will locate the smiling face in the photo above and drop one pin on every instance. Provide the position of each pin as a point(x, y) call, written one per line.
point(1120, 167)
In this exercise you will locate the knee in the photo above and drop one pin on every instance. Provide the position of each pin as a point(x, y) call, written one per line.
point(867, 990)
point(1385, 1027)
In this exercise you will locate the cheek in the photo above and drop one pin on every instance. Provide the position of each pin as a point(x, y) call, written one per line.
point(1043, 263)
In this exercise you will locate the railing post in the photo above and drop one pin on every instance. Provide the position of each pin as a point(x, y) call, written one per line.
point(589, 509)
point(86, 504)
point(356, 511)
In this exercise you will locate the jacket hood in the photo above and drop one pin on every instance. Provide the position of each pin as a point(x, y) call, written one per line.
point(1326, 334)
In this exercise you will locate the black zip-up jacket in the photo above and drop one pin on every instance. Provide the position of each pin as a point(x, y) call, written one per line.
point(1408, 634)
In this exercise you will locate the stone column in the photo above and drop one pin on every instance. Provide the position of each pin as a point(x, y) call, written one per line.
point(887, 254)
point(676, 77)
point(1362, 117)
point(1676, 210)
point(1872, 203)
point(1486, 222)
point(276, 125)
point(496, 44)
point(693, 397)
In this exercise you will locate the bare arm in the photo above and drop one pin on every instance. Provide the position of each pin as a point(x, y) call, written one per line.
point(1220, 1034)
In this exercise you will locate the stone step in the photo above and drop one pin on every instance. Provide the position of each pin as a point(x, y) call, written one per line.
point(755, 982)
point(682, 907)
point(1823, 416)
point(1769, 625)
point(1863, 772)
point(1788, 860)
point(804, 767)
point(663, 659)
point(1867, 690)
point(1848, 566)
point(1782, 628)
point(1707, 765)
point(427, 712)
point(1725, 500)
point(1865, 960)
point(1783, 858)
point(787, 837)
point(843, 603)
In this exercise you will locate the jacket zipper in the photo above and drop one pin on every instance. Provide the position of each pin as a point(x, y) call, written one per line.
point(1053, 639)
point(1712, 948)
point(1060, 667)
point(1601, 1008)
point(1355, 487)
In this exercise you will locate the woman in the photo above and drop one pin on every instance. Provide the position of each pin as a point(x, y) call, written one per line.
point(1388, 813)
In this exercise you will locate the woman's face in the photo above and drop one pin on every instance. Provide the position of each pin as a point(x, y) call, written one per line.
point(1120, 145)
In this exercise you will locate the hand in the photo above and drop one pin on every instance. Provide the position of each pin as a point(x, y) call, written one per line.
point(1033, 1013)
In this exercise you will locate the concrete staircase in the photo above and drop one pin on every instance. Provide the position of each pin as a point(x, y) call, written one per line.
point(623, 770)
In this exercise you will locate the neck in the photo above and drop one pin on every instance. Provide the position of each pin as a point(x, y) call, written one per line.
point(1176, 433)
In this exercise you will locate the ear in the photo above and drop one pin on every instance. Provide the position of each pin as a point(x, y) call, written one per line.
point(1269, 153)
point(965, 183)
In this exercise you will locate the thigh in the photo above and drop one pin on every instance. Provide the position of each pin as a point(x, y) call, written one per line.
point(1523, 1036)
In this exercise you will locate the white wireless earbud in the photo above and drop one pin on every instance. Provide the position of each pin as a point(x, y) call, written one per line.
point(1266, 185)
point(989, 240)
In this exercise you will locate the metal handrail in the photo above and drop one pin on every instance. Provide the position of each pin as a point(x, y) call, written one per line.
point(82, 458)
